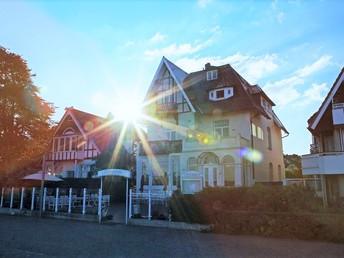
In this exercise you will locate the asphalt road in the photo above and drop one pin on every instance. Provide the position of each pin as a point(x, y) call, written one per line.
point(34, 237)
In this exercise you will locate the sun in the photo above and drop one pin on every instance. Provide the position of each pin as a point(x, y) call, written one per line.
point(128, 111)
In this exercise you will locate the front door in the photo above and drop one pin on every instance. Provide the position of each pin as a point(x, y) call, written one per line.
point(210, 176)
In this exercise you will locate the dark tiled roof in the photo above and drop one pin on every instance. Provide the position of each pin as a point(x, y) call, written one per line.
point(197, 89)
point(93, 126)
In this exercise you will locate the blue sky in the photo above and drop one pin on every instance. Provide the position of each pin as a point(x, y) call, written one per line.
point(101, 55)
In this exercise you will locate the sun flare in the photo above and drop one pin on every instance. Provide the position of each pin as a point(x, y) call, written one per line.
point(128, 111)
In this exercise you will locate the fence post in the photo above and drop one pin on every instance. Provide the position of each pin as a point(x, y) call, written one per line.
point(149, 203)
point(11, 202)
point(84, 202)
point(130, 202)
point(2, 197)
point(57, 200)
point(22, 198)
point(33, 198)
point(100, 205)
point(70, 201)
point(44, 196)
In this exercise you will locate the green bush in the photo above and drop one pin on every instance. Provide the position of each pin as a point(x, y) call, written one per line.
point(186, 208)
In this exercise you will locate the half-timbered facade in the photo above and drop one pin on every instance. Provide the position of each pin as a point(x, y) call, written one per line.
point(208, 128)
point(77, 140)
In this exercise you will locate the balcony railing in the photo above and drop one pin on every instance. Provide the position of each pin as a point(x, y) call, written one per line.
point(169, 107)
point(162, 147)
point(326, 163)
point(65, 155)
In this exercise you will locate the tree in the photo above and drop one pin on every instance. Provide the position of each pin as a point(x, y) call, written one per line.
point(25, 118)
point(293, 167)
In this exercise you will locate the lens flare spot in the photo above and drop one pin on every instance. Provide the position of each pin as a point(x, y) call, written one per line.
point(250, 154)
point(88, 126)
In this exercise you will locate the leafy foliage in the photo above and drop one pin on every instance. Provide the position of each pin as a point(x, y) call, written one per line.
point(293, 167)
point(25, 123)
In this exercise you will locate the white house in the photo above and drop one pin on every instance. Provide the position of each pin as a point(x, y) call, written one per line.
point(326, 158)
point(208, 128)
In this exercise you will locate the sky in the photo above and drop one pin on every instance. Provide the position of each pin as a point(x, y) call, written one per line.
point(100, 56)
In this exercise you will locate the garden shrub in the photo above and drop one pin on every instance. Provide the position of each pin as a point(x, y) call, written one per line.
point(186, 208)
point(271, 211)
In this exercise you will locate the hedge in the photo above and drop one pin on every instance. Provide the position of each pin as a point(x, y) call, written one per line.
point(289, 211)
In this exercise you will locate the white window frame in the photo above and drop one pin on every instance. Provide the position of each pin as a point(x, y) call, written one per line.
point(227, 93)
point(171, 135)
point(220, 127)
point(211, 75)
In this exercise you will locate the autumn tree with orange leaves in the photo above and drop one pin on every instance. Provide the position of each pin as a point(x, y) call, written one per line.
point(25, 118)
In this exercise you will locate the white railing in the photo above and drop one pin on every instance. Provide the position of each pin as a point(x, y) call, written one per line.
point(323, 163)
point(14, 198)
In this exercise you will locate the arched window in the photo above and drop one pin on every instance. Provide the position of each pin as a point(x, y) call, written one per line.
point(271, 172)
point(279, 170)
point(228, 163)
point(68, 131)
point(192, 164)
point(269, 138)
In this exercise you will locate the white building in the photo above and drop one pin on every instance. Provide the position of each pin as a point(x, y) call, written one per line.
point(326, 160)
point(205, 129)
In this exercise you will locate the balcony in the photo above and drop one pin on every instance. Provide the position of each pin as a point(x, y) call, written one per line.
point(338, 113)
point(327, 163)
point(169, 107)
point(163, 147)
point(236, 141)
point(65, 155)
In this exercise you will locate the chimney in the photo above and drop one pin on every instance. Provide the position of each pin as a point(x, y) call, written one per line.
point(207, 66)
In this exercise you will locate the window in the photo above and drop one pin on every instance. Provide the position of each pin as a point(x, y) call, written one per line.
point(221, 128)
point(257, 131)
point(192, 164)
point(271, 172)
point(260, 133)
point(269, 138)
point(221, 94)
point(172, 135)
point(254, 130)
point(228, 169)
point(211, 75)
point(166, 89)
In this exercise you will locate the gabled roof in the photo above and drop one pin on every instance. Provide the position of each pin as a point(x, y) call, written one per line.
point(314, 120)
point(178, 75)
point(90, 127)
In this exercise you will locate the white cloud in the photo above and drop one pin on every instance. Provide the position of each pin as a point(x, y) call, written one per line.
point(157, 37)
point(274, 4)
point(203, 3)
point(252, 68)
point(285, 91)
point(129, 43)
point(280, 17)
point(316, 93)
point(176, 50)
point(321, 63)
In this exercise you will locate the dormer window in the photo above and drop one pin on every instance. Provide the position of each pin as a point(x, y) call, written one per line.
point(211, 75)
point(221, 94)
